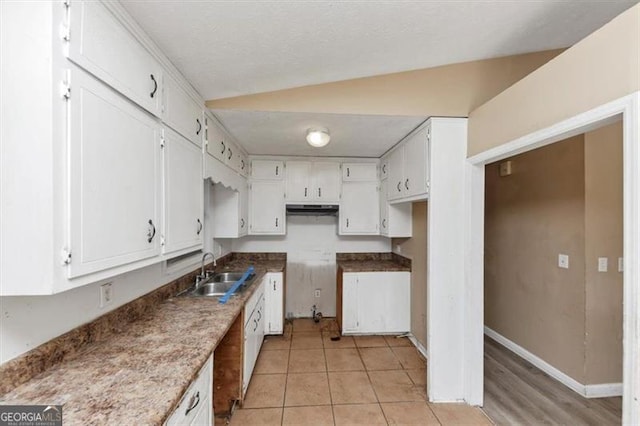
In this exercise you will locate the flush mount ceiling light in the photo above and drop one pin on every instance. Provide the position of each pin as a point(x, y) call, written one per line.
point(318, 137)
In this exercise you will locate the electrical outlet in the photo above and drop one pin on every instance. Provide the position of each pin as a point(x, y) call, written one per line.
point(106, 294)
point(563, 261)
point(620, 264)
point(316, 293)
point(603, 264)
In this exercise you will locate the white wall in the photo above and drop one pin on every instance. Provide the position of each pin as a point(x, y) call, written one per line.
point(29, 321)
point(311, 245)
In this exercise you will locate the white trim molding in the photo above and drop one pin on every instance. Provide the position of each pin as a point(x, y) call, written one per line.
point(587, 391)
point(418, 345)
point(627, 108)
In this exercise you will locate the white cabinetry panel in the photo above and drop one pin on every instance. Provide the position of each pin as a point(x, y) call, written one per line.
point(182, 113)
point(267, 209)
point(359, 208)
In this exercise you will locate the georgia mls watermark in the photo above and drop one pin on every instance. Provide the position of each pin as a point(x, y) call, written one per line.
point(30, 415)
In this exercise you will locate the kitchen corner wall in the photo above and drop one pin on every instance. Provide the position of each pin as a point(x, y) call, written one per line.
point(564, 198)
point(311, 244)
point(415, 248)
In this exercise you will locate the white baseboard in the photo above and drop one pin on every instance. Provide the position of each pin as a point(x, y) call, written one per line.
point(587, 391)
point(418, 346)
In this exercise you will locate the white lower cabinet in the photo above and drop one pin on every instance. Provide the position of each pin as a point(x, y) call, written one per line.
point(376, 302)
point(254, 319)
point(274, 303)
point(359, 208)
point(267, 208)
point(196, 406)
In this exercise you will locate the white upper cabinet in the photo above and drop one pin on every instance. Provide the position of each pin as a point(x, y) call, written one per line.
point(267, 208)
point(99, 43)
point(182, 113)
point(183, 194)
point(395, 219)
point(384, 168)
point(216, 139)
point(230, 211)
point(395, 165)
point(352, 172)
point(115, 179)
point(313, 182)
point(241, 164)
point(409, 167)
point(359, 209)
point(267, 169)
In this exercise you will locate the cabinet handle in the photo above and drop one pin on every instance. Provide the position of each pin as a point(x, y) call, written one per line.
point(274, 286)
point(406, 184)
point(230, 153)
point(347, 222)
point(319, 192)
point(256, 325)
point(398, 186)
point(241, 223)
point(259, 316)
point(195, 400)
point(347, 172)
point(199, 126)
point(242, 163)
point(305, 192)
point(155, 86)
point(223, 147)
point(199, 227)
point(384, 168)
point(277, 170)
point(152, 231)
point(276, 222)
point(384, 223)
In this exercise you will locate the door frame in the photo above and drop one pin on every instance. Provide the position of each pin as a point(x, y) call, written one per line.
point(627, 108)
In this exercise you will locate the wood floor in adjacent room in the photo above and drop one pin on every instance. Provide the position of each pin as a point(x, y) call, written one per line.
point(517, 393)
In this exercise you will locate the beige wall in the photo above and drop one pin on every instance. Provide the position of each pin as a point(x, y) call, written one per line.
point(416, 249)
point(603, 238)
point(452, 90)
point(563, 198)
point(602, 67)
point(531, 217)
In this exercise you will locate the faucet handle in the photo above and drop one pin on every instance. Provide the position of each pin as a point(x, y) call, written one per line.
point(208, 273)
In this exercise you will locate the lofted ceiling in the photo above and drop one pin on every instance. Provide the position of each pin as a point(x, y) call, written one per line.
point(283, 133)
point(231, 48)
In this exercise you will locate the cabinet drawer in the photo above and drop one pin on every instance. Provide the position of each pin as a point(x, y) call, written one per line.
point(196, 398)
point(104, 47)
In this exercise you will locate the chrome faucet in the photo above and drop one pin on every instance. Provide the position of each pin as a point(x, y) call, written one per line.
point(205, 274)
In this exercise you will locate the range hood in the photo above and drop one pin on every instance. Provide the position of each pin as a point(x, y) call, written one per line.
point(312, 209)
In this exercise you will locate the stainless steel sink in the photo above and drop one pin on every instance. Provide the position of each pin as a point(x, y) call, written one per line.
point(212, 289)
point(226, 277)
point(218, 284)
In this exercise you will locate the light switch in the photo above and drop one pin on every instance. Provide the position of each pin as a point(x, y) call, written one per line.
point(563, 261)
point(620, 264)
point(603, 264)
point(505, 168)
point(106, 294)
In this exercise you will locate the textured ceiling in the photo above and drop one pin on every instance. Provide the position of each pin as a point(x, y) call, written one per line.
point(282, 133)
point(230, 48)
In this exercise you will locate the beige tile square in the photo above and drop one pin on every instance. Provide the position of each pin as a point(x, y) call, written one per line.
point(305, 325)
point(306, 340)
point(370, 341)
point(272, 362)
point(344, 342)
point(307, 361)
point(265, 390)
point(459, 414)
point(362, 414)
point(418, 377)
point(307, 389)
point(398, 341)
point(260, 416)
point(410, 358)
point(395, 386)
point(379, 359)
point(276, 343)
point(343, 360)
point(317, 415)
point(351, 388)
point(409, 413)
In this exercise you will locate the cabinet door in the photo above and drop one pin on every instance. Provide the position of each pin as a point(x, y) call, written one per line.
point(243, 221)
point(397, 301)
point(327, 180)
point(105, 48)
point(182, 113)
point(231, 154)
point(383, 302)
point(249, 352)
point(359, 208)
point(216, 139)
point(384, 168)
point(227, 211)
point(349, 302)
point(267, 169)
point(274, 308)
point(115, 178)
point(298, 174)
point(359, 172)
point(242, 165)
point(415, 164)
point(395, 188)
point(266, 205)
point(384, 209)
point(183, 193)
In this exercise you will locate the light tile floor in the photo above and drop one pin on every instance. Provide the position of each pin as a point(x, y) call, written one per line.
point(305, 378)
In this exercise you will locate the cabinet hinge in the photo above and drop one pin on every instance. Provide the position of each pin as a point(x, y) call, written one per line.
point(66, 256)
point(65, 33)
point(65, 90)
point(66, 3)
point(162, 142)
point(162, 240)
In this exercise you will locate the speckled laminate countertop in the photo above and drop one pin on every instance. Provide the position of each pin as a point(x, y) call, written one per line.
point(372, 262)
point(139, 375)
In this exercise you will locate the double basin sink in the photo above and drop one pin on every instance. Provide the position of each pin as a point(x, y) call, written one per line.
point(219, 284)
